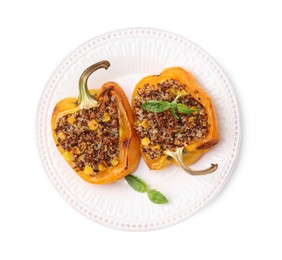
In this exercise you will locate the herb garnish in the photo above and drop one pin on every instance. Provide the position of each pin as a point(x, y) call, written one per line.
point(161, 106)
point(139, 185)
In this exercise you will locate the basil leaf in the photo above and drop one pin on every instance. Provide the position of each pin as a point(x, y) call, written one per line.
point(156, 106)
point(139, 185)
point(136, 183)
point(157, 197)
point(161, 106)
point(173, 111)
point(184, 109)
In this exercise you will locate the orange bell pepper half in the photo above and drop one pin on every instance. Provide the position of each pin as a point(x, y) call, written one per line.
point(175, 120)
point(95, 132)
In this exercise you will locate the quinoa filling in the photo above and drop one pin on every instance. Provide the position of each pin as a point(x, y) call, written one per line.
point(159, 132)
point(90, 137)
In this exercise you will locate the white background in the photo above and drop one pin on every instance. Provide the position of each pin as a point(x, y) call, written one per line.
point(243, 222)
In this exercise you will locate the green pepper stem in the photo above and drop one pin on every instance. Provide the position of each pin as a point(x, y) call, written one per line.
point(177, 156)
point(85, 100)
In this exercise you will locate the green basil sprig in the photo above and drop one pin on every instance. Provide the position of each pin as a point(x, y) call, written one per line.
point(139, 185)
point(161, 106)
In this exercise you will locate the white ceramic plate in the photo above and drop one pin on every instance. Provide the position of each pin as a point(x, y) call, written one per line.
point(134, 53)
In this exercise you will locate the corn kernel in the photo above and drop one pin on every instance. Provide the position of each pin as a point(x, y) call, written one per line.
point(114, 161)
point(145, 141)
point(182, 92)
point(171, 90)
point(71, 120)
point(101, 167)
point(61, 135)
point(144, 124)
point(99, 133)
point(93, 124)
point(75, 151)
point(88, 170)
point(195, 112)
point(106, 117)
point(191, 119)
point(156, 147)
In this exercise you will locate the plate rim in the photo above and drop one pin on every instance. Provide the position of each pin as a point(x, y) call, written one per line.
point(141, 31)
